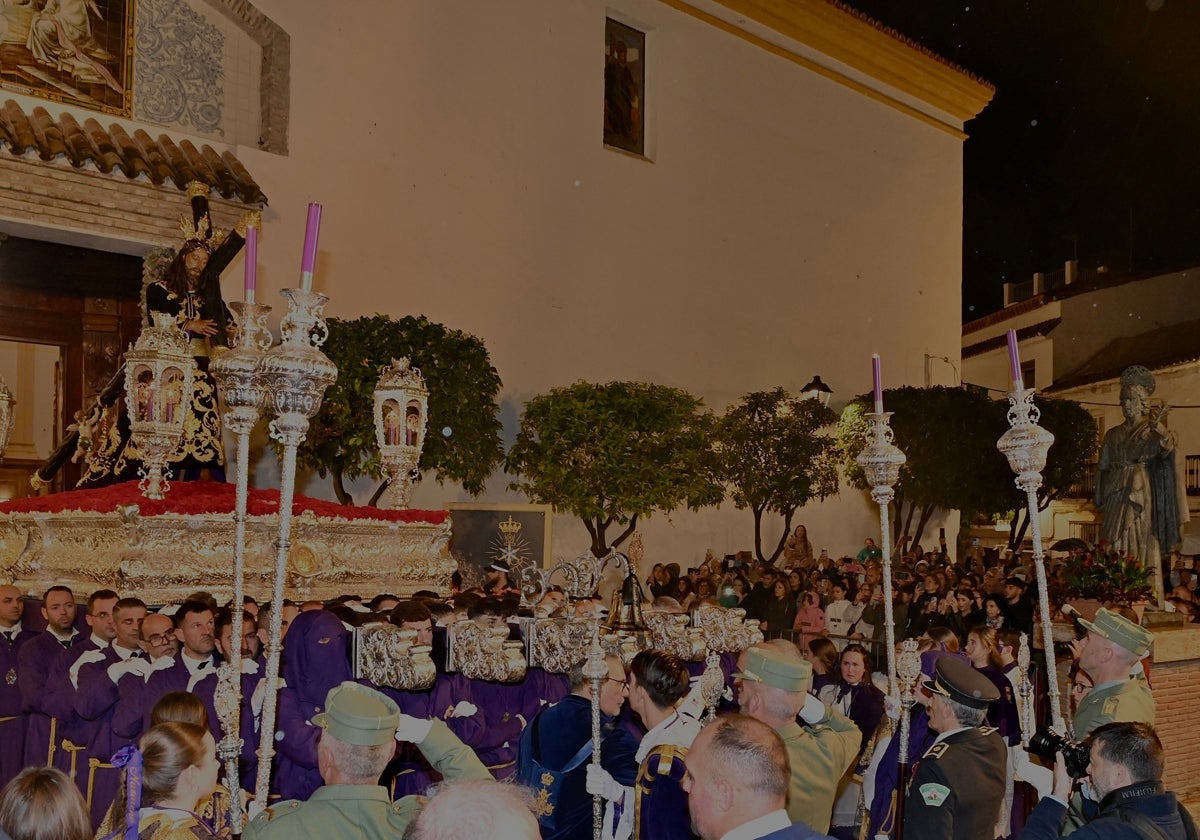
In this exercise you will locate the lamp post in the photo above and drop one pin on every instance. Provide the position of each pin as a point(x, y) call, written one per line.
point(401, 416)
point(816, 390)
point(159, 370)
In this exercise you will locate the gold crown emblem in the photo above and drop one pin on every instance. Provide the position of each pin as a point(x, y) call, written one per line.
point(510, 527)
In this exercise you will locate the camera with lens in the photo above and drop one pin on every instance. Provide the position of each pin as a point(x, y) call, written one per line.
point(1047, 743)
point(1063, 650)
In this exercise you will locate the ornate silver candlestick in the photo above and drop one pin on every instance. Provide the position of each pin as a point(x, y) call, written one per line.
point(881, 461)
point(1025, 689)
point(294, 376)
point(595, 670)
point(1026, 445)
point(159, 370)
point(236, 375)
point(8, 417)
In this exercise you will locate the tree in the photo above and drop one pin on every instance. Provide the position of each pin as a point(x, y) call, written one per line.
point(771, 457)
point(1076, 438)
point(949, 437)
point(462, 442)
point(612, 453)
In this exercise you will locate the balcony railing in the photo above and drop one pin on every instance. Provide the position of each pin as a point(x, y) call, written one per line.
point(1085, 487)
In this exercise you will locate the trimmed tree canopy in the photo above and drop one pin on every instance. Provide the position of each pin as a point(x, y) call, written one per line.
point(771, 456)
point(463, 438)
point(612, 453)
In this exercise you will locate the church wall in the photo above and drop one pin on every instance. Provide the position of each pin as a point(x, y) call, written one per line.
point(786, 226)
point(783, 226)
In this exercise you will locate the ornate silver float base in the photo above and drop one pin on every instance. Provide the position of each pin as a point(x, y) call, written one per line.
point(164, 558)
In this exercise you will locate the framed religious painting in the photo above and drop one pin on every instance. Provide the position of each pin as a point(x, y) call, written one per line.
point(624, 87)
point(482, 534)
point(78, 52)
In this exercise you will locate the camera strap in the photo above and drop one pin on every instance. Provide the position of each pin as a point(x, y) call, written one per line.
point(1149, 830)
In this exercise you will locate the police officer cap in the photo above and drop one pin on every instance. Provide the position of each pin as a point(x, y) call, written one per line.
point(359, 715)
point(954, 677)
point(771, 666)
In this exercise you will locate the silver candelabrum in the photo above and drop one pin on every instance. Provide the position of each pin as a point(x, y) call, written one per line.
point(8, 417)
point(881, 461)
point(1026, 445)
point(293, 376)
point(236, 375)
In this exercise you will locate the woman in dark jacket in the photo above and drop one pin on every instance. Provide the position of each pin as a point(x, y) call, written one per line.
point(780, 610)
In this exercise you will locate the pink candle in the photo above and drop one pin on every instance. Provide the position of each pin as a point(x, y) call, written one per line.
point(308, 261)
point(877, 381)
point(251, 263)
point(1014, 362)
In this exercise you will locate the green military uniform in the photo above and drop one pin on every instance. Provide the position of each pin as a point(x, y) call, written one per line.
point(364, 811)
point(1126, 701)
point(819, 756)
point(819, 753)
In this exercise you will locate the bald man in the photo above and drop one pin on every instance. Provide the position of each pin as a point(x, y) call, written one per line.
point(12, 720)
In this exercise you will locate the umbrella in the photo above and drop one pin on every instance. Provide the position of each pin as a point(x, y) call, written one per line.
point(1072, 544)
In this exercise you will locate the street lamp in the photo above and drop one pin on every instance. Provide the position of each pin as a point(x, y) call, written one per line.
point(817, 390)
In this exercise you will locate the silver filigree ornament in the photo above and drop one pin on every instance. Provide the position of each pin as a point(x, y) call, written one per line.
point(159, 372)
point(1026, 445)
point(7, 417)
point(401, 417)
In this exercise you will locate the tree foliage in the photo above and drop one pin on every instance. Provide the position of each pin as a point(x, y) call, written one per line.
point(1076, 438)
point(462, 441)
point(612, 453)
point(769, 453)
point(949, 437)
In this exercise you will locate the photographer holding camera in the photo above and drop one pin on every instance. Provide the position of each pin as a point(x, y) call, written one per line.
point(1124, 770)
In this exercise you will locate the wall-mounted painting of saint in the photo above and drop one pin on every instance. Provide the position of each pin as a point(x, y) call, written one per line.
point(73, 51)
point(624, 87)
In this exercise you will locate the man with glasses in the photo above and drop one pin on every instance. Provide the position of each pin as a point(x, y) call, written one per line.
point(556, 748)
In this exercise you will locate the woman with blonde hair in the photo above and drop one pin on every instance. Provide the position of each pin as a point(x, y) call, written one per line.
point(167, 775)
point(42, 803)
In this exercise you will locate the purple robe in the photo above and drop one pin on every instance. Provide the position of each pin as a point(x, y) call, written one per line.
point(35, 662)
point(12, 716)
point(316, 659)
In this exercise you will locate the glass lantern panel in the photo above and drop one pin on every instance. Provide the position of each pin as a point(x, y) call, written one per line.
point(412, 423)
point(146, 394)
point(172, 394)
point(393, 424)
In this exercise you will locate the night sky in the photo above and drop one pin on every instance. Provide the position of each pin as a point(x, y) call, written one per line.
point(1095, 121)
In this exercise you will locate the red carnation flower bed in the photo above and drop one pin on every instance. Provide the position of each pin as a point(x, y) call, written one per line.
point(195, 497)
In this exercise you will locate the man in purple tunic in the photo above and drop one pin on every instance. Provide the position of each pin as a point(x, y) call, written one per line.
point(73, 732)
point(34, 661)
point(12, 719)
point(96, 699)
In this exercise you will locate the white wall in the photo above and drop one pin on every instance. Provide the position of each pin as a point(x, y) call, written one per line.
point(787, 226)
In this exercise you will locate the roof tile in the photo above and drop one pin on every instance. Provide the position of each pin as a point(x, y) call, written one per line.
point(112, 148)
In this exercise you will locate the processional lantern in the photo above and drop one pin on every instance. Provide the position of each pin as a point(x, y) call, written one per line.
point(159, 370)
point(7, 417)
point(401, 416)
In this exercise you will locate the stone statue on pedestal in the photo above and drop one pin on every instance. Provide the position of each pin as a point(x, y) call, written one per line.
point(1137, 485)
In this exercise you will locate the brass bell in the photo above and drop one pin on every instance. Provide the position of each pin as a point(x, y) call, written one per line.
point(626, 613)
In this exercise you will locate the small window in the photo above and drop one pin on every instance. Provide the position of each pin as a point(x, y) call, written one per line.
point(1027, 374)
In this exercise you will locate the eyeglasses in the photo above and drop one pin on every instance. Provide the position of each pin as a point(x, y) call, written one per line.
point(159, 638)
point(622, 683)
point(1081, 687)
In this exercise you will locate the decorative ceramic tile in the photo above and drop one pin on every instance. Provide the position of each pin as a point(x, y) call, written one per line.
point(179, 68)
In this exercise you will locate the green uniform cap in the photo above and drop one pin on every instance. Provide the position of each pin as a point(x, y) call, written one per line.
point(775, 668)
point(1120, 631)
point(359, 715)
